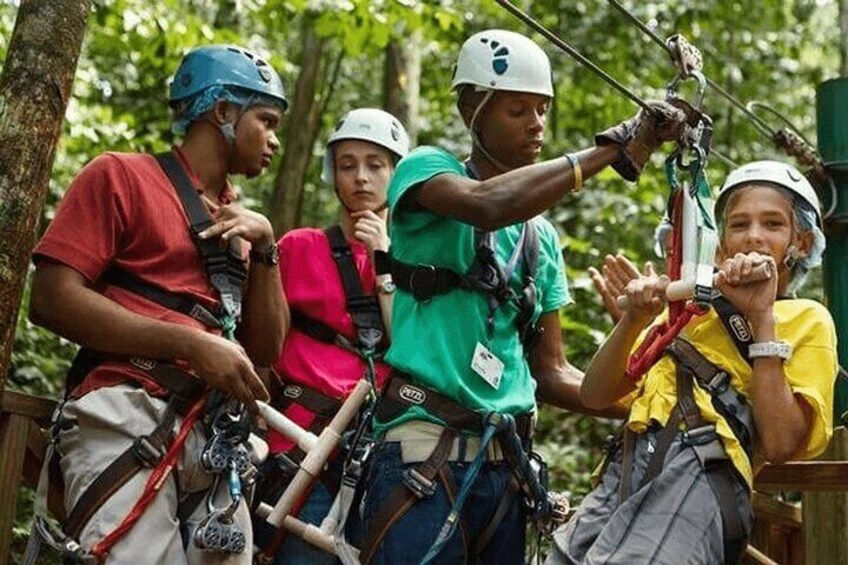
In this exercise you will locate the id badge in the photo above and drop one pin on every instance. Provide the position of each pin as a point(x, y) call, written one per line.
point(487, 365)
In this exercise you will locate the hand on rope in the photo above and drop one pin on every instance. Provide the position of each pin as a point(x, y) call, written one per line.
point(643, 134)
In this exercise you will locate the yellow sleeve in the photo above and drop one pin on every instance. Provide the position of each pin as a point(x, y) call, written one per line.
point(811, 371)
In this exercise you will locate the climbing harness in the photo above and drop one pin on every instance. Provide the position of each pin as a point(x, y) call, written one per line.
point(369, 345)
point(186, 397)
point(496, 437)
point(486, 276)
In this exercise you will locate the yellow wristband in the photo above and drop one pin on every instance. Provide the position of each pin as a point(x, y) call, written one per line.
point(577, 171)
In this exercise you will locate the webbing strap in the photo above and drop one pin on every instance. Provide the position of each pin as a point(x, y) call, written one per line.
point(144, 452)
point(626, 482)
point(182, 303)
point(401, 393)
point(485, 276)
point(736, 325)
point(363, 308)
point(318, 330)
point(224, 267)
point(501, 510)
point(730, 404)
point(401, 498)
point(314, 401)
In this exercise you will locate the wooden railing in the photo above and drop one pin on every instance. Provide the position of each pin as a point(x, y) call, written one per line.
point(779, 534)
point(22, 444)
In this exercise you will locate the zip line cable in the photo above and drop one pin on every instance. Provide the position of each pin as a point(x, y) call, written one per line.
point(553, 38)
point(550, 36)
point(770, 109)
point(748, 109)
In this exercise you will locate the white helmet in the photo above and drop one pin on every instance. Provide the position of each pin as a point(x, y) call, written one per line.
point(774, 172)
point(497, 59)
point(367, 124)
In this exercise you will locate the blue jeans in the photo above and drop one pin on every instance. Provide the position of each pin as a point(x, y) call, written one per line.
point(294, 550)
point(410, 538)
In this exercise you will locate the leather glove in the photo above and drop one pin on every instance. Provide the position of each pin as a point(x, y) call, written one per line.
point(641, 135)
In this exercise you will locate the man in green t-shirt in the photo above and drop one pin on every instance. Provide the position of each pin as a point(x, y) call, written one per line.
point(476, 327)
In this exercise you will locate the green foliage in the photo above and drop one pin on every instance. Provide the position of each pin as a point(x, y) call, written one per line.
point(133, 46)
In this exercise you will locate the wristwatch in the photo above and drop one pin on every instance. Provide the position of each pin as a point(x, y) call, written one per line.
point(386, 287)
point(270, 256)
point(779, 349)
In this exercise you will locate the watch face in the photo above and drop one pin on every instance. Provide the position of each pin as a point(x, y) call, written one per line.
point(387, 287)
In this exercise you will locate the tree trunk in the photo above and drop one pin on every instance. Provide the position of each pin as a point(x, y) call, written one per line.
point(402, 82)
point(843, 38)
point(303, 124)
point(34, 91)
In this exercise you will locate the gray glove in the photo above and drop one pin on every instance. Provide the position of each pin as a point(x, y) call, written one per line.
point(641, 135)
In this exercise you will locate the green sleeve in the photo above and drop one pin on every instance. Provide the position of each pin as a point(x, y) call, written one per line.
point(418, 167)
point(550, 277)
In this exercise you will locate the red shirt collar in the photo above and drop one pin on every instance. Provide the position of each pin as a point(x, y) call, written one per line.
point(227, 195)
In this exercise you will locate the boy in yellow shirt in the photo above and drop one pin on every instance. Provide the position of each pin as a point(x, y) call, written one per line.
point(677, 489)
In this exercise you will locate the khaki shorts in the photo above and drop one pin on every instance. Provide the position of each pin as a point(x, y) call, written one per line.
point(94, 431)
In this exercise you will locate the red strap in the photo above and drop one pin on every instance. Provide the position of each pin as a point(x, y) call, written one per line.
point(154, 484)
point(679, 313)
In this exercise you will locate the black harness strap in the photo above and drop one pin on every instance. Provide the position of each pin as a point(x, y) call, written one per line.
point(145, 452)
point(732, 405)
point(735, 324)
point(183, 303)
point(225, 267)
point(318, 330)
point(363, 308)
point(485, 276)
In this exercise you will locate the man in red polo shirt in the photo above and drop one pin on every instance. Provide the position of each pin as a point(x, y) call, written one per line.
point(152, 302)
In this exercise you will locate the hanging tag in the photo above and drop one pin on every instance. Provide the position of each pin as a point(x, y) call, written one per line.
point(487, 365)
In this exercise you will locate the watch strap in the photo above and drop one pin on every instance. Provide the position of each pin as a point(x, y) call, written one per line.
point(779, 349)
point(382, 262)
point(268, 256)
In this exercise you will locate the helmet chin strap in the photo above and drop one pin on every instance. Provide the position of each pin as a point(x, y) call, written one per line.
point(350, 210)
point(475, 138)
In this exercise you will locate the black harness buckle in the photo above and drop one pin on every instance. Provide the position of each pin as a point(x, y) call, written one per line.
point(700, 436)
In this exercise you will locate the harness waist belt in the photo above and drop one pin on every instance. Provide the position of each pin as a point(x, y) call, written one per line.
point(401, 393)
point(418, 439)
point(285, 394)
point(183, 388)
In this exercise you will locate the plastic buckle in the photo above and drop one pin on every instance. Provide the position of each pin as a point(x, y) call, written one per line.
point(699, 436)
point(146, 452)
point(420, 485)
point(429, 280)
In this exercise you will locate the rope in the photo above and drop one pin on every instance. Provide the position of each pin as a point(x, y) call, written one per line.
point(449, 527)
point(153, 485)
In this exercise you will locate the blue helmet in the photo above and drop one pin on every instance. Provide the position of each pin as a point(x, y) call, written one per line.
point(226, 65)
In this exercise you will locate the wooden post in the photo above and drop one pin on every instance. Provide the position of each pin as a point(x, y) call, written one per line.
point(14, 431)
point(826, 515)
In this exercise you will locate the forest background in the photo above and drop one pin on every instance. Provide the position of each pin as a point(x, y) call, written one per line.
point(335, 55)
